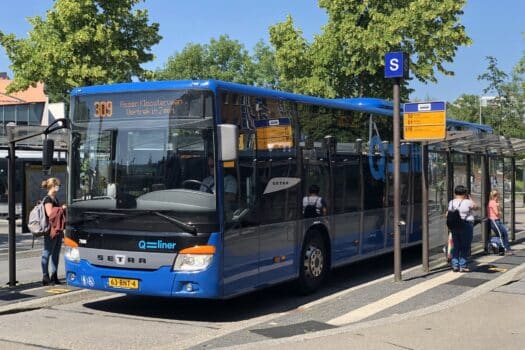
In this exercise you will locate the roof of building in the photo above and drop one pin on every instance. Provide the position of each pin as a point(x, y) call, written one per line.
point(32, 94)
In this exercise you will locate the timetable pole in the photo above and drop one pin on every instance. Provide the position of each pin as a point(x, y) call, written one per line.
point(397, 202)
point(396, 68)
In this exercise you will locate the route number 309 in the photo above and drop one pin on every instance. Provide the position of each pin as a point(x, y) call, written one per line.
point(103, 109)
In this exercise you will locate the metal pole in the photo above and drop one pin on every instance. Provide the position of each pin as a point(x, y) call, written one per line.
point(469, 174)
point(424, 205)
point(485, 189)
point(397, 203)
point(523, 182)
point(11, 213)
point(359, 146)
point(512, 199)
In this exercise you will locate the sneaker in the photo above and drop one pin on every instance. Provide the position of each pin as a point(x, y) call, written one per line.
point(455, 269)
point(464, 269)
point(509, 252)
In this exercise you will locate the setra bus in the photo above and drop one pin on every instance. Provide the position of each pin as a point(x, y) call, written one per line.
point(195, 188)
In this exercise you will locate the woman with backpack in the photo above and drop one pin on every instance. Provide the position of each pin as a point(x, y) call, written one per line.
point(52, 241)
point(462, 230)
point(494, 214)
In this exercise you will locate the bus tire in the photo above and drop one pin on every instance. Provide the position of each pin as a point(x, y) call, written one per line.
point(313, 265)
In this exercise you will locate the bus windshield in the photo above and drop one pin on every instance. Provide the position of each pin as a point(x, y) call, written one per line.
point(143, 152)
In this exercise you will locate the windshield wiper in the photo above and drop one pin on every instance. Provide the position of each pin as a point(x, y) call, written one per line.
point(186, 227)
point(120, 216)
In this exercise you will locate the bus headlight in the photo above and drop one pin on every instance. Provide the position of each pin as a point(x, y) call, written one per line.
point(72, 254)
point(71, 251)
point(194, 258)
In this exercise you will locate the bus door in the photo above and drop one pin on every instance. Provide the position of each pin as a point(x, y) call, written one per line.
point(278, 210)
point(241, 235)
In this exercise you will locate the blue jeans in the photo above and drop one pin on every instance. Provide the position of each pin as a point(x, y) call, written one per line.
point(462, 238)
point(51, 248)
point(497, 224)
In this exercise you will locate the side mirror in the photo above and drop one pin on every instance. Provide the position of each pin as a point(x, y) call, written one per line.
point(229, 138)
point(48, 148)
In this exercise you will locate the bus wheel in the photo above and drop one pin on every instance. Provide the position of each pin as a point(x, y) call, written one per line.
point(314, 263)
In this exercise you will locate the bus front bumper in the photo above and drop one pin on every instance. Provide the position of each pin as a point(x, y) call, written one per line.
point(160, 282)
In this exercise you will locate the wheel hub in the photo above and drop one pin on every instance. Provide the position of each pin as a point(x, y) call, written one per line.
point(314, 262)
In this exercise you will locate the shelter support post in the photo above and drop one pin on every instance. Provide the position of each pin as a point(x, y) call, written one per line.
point(469, 174)
point(485, 190)
point(513, 199)
point(424, 206)
point(12, 215)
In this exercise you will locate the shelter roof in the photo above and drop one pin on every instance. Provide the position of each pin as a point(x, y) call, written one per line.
point(481, 142)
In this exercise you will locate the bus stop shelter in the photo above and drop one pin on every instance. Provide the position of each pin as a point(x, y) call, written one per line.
point(480, 161)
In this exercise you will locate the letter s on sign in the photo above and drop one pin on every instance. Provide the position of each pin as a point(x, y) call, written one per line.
point(394, 64)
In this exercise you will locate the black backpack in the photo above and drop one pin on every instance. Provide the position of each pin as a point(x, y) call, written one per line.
point(454, 218)
point(310, 211)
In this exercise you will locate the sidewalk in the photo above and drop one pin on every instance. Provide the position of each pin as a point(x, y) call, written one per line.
point(490, 316)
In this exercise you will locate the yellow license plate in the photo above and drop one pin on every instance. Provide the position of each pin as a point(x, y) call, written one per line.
point(123, 283)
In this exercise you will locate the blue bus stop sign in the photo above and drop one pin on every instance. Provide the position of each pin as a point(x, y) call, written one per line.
point(396, 65)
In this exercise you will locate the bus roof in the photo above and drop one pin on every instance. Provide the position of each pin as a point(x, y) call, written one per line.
point(372, 105)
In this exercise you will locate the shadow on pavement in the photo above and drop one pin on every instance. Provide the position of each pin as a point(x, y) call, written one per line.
point(275, 299)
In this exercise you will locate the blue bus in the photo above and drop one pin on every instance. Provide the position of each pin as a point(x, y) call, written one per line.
point(195, 188)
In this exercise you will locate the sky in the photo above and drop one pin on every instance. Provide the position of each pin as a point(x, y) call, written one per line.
point(496, 28)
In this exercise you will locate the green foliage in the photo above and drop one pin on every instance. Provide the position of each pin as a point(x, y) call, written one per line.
point(223, 59)
point(82, 42)
point(466, 107)
point(346, 59)
point(505, 114)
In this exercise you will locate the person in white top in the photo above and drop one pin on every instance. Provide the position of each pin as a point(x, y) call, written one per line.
point(462, 236)
point(314, 205)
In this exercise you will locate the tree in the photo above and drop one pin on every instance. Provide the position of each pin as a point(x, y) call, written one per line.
point(346, 59)
point(82, 42)
point(466, 107)
point(508, 109)
point(223, 59)
point(265, 69)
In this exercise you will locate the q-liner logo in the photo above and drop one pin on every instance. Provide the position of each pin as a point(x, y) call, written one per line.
point(158, 244)
point(378, 163)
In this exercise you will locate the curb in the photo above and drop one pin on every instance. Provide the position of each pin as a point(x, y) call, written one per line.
point(47, 301)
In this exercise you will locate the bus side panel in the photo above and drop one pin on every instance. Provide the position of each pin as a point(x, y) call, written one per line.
point(416, 232)
point(404, 216)
point(241, 260)
point(277, 252)
point(374, 227)
point(346, 237)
